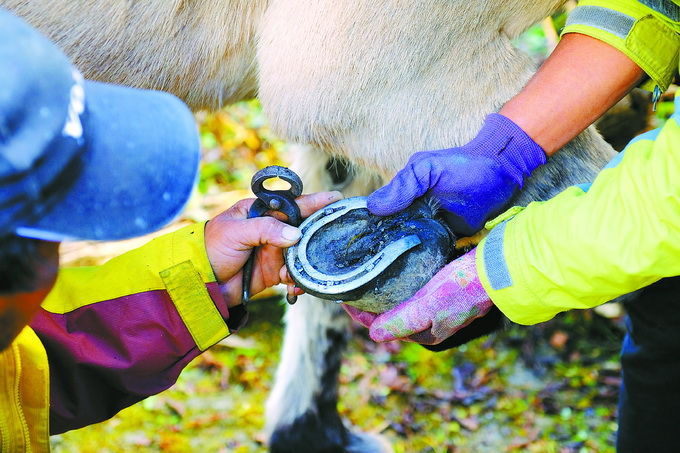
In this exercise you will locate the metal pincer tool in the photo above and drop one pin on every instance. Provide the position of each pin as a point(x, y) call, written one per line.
point(272, 200)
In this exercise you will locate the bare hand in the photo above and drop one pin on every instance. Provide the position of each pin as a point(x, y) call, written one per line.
point(231, 236)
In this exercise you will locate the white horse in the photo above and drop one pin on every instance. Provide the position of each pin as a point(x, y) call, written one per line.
point(362, 83)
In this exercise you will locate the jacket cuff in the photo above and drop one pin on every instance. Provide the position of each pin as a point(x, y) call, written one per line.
point(507, 291)
point(635, 30)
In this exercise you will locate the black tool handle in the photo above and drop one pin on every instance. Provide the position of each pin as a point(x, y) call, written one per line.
point(272, 200)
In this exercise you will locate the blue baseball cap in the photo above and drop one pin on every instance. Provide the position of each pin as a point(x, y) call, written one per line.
point(81, 159)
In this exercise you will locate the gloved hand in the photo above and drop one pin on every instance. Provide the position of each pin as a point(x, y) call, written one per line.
point(451, 300)
point(472, 182)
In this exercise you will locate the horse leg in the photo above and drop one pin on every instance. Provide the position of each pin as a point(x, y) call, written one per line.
point(302, 408)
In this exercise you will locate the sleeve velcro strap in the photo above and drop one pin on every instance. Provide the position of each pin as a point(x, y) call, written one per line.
point(506, 215)
point(190, 296)
point(636, 30)
point(655, 47)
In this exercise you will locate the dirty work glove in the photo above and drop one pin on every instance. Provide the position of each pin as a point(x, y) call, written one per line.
point(451, 300)
point(472, 182)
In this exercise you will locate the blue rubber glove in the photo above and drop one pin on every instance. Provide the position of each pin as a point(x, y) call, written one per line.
point(473, 182)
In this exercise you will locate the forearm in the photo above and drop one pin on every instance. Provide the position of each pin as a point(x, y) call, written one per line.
point(578, 83)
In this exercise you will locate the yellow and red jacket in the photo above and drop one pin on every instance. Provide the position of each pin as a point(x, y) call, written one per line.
point(593, 243)
point(24, 396)
point(109, 336)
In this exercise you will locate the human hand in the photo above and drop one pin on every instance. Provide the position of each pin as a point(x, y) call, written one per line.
point(231, 236)
point(451, 300)
point(472, 182)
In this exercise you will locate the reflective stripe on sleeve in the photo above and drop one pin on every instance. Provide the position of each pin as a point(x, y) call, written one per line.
point(494, 259)
point(606, 19)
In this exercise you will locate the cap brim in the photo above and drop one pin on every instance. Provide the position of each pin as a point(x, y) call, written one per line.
point(139, 167)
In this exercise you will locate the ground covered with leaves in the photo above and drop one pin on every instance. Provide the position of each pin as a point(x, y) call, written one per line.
point(541, 389)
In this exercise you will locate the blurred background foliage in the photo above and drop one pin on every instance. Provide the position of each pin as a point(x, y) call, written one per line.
point(550, 388)
point(236, 142)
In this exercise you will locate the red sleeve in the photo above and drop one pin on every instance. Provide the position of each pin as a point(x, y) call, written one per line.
point(104, 357)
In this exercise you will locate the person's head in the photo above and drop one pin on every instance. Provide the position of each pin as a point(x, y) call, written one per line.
point(28, 269)
point(78, 160)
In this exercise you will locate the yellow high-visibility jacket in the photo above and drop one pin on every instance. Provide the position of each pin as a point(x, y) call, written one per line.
point(593, 243)
point(24, 396)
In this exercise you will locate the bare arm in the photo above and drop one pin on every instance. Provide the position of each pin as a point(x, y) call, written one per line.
point(578, 83)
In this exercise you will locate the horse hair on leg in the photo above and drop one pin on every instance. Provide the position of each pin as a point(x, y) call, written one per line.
point(303, 402)
point(302, 407)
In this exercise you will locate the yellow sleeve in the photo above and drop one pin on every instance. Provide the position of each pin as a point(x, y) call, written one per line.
point(646, 31)
point(175, 263)
point(587, 246)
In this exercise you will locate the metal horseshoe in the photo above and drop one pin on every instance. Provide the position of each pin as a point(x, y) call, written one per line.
point(272, 200)
point(324, 284)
